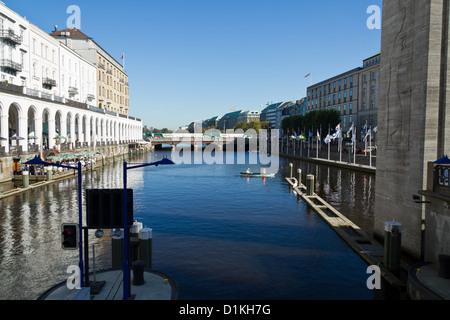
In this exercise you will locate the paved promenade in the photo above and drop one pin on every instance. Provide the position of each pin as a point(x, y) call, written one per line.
point(362, 162)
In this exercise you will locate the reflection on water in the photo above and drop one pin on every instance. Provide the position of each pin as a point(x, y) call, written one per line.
point(218, 235)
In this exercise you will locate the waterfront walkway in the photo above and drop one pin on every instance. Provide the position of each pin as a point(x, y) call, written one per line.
point(362, 162)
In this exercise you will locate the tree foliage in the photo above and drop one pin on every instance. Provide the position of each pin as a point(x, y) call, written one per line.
point(256, 125)
point(314, 120)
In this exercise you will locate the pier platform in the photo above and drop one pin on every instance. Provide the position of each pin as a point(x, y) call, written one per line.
point(371, 251)
point(333, 163)
point(157, 286)
point(423, 281)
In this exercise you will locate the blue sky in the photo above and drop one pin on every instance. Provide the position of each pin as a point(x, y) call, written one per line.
point(189, 60)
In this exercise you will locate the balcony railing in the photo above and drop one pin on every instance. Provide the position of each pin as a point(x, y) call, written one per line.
point(11, 65)
point(10, 36)
point(73, 91)
point(101, 66)
point(49, 82)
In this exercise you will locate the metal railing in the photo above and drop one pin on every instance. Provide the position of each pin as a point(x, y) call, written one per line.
point(49, 82)
point(9, 64)
point(11, 87)
point(10, 36)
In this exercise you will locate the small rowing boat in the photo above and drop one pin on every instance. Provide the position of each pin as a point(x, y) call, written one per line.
point(257, 175)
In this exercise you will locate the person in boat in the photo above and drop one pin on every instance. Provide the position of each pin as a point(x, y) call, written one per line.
point(248, 171)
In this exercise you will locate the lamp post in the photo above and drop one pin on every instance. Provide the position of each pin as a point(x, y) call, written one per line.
point(126, 269)
point(38, 161)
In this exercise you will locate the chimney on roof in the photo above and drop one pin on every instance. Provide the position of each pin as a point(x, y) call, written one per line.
point(56, 28)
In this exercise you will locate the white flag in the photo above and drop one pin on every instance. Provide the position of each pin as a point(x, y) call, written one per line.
point(327, 139)
point(368, 134)
point(351, 128)
point(318, 135)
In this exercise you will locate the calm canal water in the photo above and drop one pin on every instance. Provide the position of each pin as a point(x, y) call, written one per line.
point(218, 235)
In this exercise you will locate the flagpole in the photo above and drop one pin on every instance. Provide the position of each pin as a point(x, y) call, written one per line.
point(295, 141)
point(329, 142)
point(317, 151)
point(370, 145)
point(340, 143)
point(365, 142)
point(354, 143)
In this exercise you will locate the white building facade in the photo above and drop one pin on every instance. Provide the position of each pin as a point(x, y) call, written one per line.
point(48, 94)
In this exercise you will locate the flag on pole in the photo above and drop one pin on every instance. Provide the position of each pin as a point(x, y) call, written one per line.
point(352, 128)
point(368, 133)
point(328, 139)
point(123, 60)
point(318, 136)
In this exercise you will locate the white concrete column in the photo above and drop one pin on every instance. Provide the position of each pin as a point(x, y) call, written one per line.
point(72, 132)
point(88, 132)
point(23, 132)
point(107, 133)
point(4, 132)
point(118, 132)
point(80, 131)
point(38, 133)
point(51, 133)
point(103, 131)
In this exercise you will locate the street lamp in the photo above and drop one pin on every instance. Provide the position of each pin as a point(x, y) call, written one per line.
point(38, 161)
point(126, 285)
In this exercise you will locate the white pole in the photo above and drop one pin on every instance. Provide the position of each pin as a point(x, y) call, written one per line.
point(329, 143)
point(354, 143)
point(317, 151)
point(370, 145)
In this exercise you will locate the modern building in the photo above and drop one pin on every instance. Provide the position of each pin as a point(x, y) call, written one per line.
point(211, 123)
point(368, 91)
point(248, 116)
point(48, 94)
point(112, 80)
point(290, 109)
point(337, 93)
point(353, 93)
point(229, 120)
point(269, 114)
point(283, 111)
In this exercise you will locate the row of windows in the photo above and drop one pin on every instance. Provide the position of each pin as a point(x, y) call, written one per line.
point(44, 51)
point(105, 65)
point(336, 107)
point(339, 96)
point(118, 86)
point(336, 84)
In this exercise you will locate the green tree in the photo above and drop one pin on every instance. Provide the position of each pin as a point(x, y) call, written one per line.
point(318, 119)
